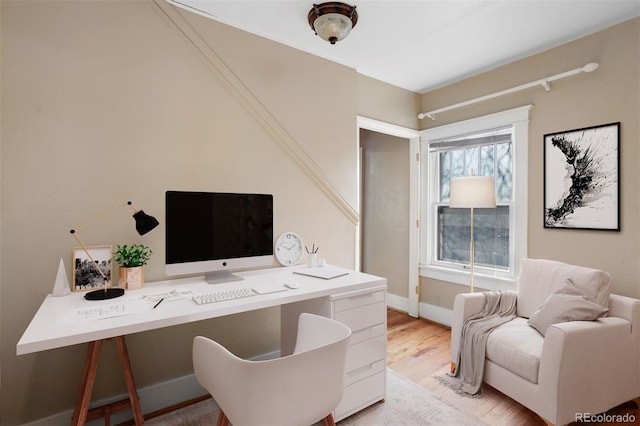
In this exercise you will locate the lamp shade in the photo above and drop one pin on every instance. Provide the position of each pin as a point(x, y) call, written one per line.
point(144, 222)
point(473, 192)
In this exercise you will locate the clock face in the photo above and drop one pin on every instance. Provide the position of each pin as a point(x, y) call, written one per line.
point(289, 249)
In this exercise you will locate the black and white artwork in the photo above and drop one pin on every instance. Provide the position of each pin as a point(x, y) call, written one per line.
point(87, 269)
point(581, 178)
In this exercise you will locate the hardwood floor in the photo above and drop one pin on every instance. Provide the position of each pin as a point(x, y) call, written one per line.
point(419, 350)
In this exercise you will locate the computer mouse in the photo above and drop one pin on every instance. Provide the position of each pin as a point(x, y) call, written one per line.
point(291, 285)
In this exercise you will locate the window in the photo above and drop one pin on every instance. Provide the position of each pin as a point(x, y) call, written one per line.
point(494, 145)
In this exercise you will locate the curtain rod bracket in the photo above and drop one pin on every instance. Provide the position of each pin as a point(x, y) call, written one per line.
point(546, 86)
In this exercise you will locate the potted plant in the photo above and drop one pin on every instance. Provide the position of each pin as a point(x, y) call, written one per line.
point(131, 259)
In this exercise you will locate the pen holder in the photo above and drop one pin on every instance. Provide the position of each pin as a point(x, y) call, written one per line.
point(312, 260)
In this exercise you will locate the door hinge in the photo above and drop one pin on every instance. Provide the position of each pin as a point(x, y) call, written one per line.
point(417, 223)
point(417, 156)
point(417, 289)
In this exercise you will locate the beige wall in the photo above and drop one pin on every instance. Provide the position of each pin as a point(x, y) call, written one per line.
point(387, 103)
point(610, 94)
point(385, 209)
point(107, 101)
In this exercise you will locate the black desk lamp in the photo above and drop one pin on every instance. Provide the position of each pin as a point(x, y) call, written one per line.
point(144, 224)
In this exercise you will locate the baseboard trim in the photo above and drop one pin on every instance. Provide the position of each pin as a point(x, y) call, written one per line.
point(436, 313)
point(397, 302)
point(427, 311)
point(152, 398)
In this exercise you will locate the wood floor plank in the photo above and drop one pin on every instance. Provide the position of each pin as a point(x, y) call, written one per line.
point(419, 350)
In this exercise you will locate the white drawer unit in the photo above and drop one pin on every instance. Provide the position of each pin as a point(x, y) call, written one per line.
point(365, 312)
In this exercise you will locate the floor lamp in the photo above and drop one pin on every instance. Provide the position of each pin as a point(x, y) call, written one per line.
point(471, 192)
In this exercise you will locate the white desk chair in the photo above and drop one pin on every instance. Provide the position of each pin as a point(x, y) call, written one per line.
point(298, 389)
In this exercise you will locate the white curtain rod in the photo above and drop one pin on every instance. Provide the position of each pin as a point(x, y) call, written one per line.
point(544, 82)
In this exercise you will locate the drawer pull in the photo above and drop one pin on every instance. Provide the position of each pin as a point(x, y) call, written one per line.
point(362, 296)
point(364, 330)
point(360, 370)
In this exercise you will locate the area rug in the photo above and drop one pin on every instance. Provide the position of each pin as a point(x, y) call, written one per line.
point(406, 404)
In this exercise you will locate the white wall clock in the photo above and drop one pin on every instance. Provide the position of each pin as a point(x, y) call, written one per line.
point(289, 249)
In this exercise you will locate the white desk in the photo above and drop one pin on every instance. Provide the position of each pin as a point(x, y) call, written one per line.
point(47, 330)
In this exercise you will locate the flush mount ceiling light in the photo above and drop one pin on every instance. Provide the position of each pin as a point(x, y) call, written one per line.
point(332, 21)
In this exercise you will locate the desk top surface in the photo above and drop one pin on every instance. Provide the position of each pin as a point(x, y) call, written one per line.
point(69, 320)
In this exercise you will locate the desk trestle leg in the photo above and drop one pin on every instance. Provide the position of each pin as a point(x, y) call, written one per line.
point(81, 413)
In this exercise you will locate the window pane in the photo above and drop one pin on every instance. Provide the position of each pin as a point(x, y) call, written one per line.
point(471, 161)
point(445, 175)
point(457, 163)
point(491, 236)
point(486, 161)
point(504, 172)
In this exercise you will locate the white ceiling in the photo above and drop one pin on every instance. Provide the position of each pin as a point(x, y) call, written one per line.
point(421, 45)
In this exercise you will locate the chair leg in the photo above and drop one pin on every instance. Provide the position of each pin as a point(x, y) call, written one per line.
point(328, 421)
point(222, 419)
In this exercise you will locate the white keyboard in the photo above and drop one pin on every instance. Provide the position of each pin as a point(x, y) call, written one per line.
point(222, 295)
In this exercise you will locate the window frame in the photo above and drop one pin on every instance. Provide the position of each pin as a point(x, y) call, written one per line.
point(485, 278)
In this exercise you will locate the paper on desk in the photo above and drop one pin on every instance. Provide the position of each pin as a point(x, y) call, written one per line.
point(169, 295)
point(93, 313)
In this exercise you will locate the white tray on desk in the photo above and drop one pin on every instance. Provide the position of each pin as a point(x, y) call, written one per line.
point(324, 272)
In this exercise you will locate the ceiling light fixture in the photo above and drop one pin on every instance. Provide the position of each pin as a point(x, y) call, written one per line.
point(332, 21)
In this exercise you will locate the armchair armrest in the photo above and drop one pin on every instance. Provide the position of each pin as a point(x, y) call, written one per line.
point(600, 358)
point(627, 308)
point(465, 305)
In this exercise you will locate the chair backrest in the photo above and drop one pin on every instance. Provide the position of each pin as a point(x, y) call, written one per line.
point(539, 278)
point(299, 389)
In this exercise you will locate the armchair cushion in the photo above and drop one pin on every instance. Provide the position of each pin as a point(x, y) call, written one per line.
point(541, 277)
point(516, 347)
point(564, 305)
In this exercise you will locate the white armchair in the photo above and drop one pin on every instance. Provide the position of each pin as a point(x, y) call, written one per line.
point(578, 367)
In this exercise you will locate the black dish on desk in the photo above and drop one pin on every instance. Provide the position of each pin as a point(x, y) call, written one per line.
point(104, 294)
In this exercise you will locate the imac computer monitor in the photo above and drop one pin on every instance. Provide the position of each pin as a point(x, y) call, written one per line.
point(215, 233)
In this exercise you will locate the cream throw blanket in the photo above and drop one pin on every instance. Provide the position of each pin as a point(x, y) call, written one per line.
point(499, 308)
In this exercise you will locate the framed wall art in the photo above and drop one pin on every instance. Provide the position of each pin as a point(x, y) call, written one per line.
point(582, 178)
point(85, 272)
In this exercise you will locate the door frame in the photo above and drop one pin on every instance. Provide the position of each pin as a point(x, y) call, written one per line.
point(412, 306)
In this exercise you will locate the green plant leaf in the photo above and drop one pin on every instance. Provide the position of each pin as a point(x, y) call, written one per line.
point(132, 256)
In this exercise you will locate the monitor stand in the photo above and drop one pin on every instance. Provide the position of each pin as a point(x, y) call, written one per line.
point(219, 277)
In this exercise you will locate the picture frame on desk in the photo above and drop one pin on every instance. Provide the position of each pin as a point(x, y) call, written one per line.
point(85, 275)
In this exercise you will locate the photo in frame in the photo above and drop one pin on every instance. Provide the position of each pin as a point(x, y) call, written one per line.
point(582, 178)
point(85, 272)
